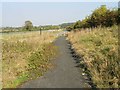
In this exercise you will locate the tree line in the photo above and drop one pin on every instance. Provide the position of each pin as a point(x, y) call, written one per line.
point(28, 26)
point(101, 16)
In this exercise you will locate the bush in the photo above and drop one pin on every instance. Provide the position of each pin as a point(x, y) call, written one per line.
point(100, 17)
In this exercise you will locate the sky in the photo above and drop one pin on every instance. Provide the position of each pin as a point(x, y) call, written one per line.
point(45, 13)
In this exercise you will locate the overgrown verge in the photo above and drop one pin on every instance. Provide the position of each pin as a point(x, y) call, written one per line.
point(26, 57)
point(99, 49)
point(39, 61)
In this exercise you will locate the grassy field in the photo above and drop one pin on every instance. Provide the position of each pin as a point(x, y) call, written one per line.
point(0, 72)
point(26, 56)
point(99, 48)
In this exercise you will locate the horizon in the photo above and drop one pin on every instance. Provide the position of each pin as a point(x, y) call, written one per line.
point(14, 14)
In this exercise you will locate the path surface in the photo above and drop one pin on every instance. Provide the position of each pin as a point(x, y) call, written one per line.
point(65, 74)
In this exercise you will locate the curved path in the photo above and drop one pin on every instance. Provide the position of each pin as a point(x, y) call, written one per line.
point(65, 74)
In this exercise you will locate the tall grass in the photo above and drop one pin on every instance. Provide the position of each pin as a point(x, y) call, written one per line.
point(0, 64)
point(99, 48)
point(26, 56)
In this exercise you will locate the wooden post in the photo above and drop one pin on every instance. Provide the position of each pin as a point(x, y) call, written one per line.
point(40, 31)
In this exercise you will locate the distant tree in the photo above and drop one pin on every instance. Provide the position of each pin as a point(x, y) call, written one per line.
point(65, 25)
point(69, 28)
point(28, 25)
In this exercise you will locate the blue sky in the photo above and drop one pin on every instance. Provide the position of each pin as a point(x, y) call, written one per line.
point(42, 13)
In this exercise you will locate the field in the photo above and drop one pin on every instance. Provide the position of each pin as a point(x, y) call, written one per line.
point(26, 56)
point(99, 49)
point(0, 62)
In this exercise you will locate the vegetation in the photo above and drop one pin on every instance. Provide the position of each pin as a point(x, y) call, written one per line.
point(99, 48)
point(100, 17)
point(26, 56)
point(10, 29)
point(95, 38)
point(28, 26)
point(64, 25)
point(50, 27)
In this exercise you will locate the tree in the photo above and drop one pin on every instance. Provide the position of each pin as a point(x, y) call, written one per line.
point(111, 17)
point(77, 24)
point(69, 28)
point(101, 16)
point(97, 17)
point(28, 25)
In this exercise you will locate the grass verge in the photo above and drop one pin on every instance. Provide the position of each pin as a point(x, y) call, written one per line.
point(99, 48)
point(26, 57)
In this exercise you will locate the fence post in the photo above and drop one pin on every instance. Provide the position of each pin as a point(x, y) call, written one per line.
point(40, 31)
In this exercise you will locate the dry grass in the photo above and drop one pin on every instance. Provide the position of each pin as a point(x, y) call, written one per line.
point(16, 52)
point(0, 62)
point(99, 48)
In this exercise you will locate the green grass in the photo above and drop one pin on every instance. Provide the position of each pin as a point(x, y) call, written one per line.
point(99, 49)
point(39, 61)
point(21, 79)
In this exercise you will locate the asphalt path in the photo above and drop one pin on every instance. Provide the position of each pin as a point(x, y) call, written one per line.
point(65, 74)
